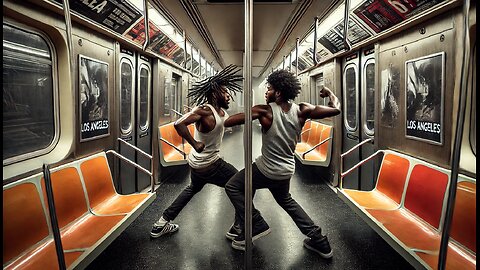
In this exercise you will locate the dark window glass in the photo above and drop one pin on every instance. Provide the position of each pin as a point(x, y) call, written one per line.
point(370, 97)
point(351, 98)
point(126, 97)
point(28, 93)
point(144, 89)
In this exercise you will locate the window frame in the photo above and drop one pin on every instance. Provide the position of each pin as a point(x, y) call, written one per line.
point(147, 122)
point(55, 94)
point(345, 120)
point(129, 130)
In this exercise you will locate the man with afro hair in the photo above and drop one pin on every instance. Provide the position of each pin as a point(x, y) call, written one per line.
point(282, 121)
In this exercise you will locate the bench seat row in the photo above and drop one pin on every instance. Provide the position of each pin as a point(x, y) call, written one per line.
point(315, 147)
point(90, 215)
point(408, 206)
point(173, 148)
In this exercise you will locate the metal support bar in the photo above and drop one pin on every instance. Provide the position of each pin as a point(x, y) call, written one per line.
point(248, 131)
point(136, 148)
point(346, 17)
point(129, 162)
point(315, 33)
point(343, 174)
point(305, 131)
point(53, 218)
point(176, 112)
point(175, 147)
point(348, 152)
point(145, 21)
point(296, 56)
point(318, 144)
point(184, 49)
point(462, 101)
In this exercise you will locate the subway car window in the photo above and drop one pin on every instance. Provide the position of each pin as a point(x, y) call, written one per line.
point(351, 98)
point(29, 124)
point(126, 96)
point(370, 98)
point(144, 100)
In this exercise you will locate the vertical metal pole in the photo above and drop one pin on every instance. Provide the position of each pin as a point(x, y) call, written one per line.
point(315, 32)
point(283, 63)
point(184, 49)
point(145, 21)
point(68, 26)
point(191, 58)
point(290, 61)
point(345, 25)
point(296, 56)
point(53, 218)
point(199, 65)
point(247, 67)
point(452, 189)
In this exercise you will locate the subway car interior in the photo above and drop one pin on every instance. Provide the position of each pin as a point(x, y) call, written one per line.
point(93, 153)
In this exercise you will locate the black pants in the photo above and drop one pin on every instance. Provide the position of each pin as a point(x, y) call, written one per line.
point(235, 189)
point(217, 173)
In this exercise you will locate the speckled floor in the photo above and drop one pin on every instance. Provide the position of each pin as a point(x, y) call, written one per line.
point(200, 242)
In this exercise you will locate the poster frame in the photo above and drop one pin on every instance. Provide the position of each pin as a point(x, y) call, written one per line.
point(80, 57)
point(442, 99)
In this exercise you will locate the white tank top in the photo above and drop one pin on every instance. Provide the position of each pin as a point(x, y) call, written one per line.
point(278, 143)
point(212, 141)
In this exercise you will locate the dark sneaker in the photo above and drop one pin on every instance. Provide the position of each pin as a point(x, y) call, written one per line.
point(158, 231)
point(321, 246)
point(233, 232)
point(258, 231)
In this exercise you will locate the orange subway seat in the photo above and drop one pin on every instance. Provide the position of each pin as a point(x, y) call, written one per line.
point(462, 250)
point(417, 222)
point(323, 148)
point(103, 198)
point(305, 131)
point(313, 138)
point(78, 227)
point(389, 188)
point(27, 243)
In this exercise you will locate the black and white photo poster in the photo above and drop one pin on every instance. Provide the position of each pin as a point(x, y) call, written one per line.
point(93, 87)
point(424, 98)
point(390, 92)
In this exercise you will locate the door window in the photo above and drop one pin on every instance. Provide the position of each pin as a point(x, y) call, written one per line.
point(350, 99)
point(126, 86)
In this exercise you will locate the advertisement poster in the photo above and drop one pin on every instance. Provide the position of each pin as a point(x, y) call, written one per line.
point(93, 88)
point(332, 41)
point(390, 92)
point(355, 32)
point(116, 15)
point(424, 98)
point(380, 15)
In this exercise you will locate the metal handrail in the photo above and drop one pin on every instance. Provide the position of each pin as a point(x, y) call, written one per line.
point(178, 113)
point(175, 147)
point(53, 218)
point(136, 148)
point(305, 131)
point(150, 173)
point(343, 174)
point(347, 153)
point(318, 144)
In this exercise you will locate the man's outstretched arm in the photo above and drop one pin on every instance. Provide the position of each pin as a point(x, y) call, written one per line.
point(181, 126)
point(319, 111)
point(258, 112)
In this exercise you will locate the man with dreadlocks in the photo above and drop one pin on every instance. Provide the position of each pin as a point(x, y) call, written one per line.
point(282, 121)
point(211, 97)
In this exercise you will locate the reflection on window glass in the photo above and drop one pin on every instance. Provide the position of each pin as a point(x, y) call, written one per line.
point(351, 98)
point(28, 97)
point(370, 97)
point(144, 89)
point(167, 103)
point(126, 97)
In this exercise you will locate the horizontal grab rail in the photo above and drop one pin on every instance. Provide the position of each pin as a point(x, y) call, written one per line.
point(318, 144)
point(136, 148)
point(180, 114)
point(356, 146)
point(174, 147)
point(343, 174)
point(129, 162)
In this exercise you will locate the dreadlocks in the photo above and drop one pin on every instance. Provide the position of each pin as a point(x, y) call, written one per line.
point(210, 89)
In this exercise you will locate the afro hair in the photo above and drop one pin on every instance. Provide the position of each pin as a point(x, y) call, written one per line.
point(286, 83)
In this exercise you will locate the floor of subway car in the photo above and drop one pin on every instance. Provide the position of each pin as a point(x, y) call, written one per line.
point(200, 242)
